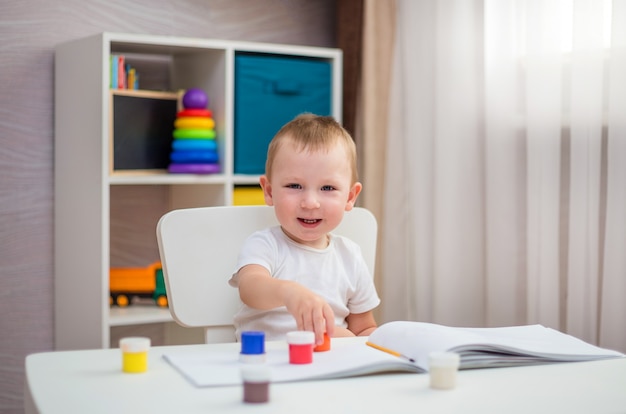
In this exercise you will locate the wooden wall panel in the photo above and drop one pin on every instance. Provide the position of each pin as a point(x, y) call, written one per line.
point(29, 31)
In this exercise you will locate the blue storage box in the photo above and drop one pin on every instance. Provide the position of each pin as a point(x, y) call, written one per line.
point(270, 91)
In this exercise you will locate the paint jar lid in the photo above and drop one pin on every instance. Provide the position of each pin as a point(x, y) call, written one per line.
point(300, 338)
point(444, 359)
point(255, 373)
point(325, 346)
point(253, 342)
point(135, 344)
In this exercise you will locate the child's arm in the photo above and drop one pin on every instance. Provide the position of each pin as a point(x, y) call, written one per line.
point(259, 290)
point(340, 332)
point(361, 324)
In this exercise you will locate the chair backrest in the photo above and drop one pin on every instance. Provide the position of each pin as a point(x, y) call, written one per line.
point(199, 248)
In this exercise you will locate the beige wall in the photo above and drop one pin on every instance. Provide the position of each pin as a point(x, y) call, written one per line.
point(29, 31)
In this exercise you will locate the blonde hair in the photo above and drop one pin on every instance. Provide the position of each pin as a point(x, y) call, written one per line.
point(309, 132)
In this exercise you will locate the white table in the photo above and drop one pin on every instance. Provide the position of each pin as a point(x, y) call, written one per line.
point(91, 381)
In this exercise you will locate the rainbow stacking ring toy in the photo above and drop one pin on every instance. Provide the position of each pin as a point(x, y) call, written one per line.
point(194, 148)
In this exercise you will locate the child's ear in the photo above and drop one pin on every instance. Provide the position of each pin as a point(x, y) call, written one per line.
point(267, 190)
point(352, 195)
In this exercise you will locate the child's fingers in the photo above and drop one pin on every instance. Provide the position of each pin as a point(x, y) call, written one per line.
point(329, 318)
point(319, 324)
point(300, 322)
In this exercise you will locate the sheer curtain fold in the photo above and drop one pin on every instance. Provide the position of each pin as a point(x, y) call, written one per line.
point(372, 114)
point(505, 149)
point(542, 117)
point(505, 177)
point(407, 233)
point(434, 164)
point(586, 119)
point(613, 305)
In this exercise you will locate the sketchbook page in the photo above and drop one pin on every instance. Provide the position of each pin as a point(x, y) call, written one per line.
point(541, 342)
point(417, 339)
point(220, 368)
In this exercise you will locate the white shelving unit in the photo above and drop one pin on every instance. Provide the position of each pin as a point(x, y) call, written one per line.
point(106, 217)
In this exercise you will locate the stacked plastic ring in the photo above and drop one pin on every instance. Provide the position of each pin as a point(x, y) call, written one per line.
point(194, 148)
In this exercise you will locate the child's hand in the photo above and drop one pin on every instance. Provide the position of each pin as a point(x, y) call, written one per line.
point(259, 290)
point(310, 311)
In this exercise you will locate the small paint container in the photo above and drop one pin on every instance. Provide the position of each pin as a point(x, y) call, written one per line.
point(324, 346)
point(135, 354)
point(252, 347)
point(256, 383)
point(443, 368)
point(300, 347)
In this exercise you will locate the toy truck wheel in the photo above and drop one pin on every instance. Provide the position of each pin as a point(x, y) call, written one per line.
point(122, 300)
point(161, 301)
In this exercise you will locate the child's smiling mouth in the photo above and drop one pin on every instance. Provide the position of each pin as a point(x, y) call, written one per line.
point(309, 221)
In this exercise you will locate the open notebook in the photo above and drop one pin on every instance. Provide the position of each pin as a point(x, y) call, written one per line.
point(207, 369)
point(399, 346)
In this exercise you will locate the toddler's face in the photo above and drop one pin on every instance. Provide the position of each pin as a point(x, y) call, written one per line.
point(310, 192)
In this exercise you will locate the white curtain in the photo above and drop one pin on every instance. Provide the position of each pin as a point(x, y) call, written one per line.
point(505, 178)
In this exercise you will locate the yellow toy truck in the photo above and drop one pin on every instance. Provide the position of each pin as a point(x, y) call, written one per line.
point(145, 282)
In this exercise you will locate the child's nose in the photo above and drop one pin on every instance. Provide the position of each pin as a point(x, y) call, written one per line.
point(309, 201)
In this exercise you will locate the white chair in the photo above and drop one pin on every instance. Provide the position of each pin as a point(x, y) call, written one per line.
point(199, 248)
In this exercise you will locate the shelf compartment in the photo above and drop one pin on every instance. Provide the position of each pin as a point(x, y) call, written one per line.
point(141, 130)
point(138, 314)
point(246, 195)
point(162, 177)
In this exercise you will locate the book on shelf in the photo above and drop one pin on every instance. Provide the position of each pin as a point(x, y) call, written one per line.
point(113, 75)
point(397, 347)
point(122, 74)
point(132, 77)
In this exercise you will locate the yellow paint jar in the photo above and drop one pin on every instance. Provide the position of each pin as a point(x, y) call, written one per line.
point(135, 354)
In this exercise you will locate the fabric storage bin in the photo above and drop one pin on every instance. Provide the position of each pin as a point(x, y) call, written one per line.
point(270, 90)
point(248, 195)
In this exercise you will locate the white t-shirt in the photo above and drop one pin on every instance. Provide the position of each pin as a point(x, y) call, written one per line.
point(337, 273)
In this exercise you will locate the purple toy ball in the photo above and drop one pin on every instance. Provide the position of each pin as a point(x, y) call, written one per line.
point(195, 98)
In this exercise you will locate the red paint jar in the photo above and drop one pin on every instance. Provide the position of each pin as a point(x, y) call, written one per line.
point(300, 347)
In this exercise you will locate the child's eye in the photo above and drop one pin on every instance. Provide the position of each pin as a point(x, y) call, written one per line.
point(294, 186)
point(328, 188)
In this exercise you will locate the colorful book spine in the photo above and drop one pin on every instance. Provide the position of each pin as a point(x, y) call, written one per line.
point(132, 81)
point(121, 72)
point(114, 66)
point(123, 75)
